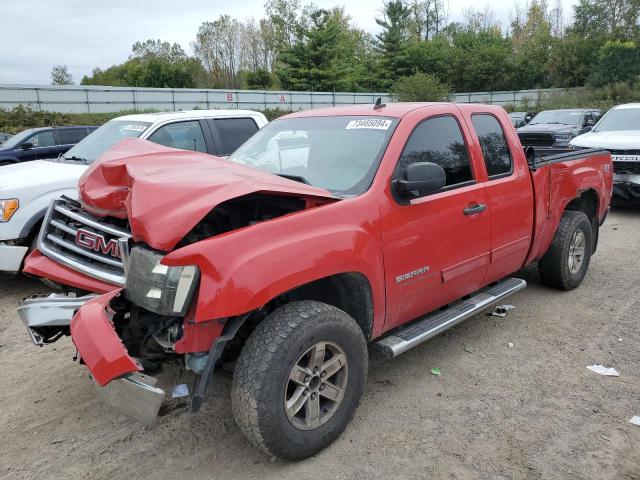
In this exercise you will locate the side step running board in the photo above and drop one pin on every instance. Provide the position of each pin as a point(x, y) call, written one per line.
point(435, 323)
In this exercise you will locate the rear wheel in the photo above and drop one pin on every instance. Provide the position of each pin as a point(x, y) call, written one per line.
point(565, 264)
point(299, 379)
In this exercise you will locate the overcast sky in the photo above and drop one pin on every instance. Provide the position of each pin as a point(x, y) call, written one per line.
point(37, 34)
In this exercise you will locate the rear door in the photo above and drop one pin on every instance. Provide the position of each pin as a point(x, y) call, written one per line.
point(509, 191)
point(68, 137)
point(230, 133)
point(436, 247)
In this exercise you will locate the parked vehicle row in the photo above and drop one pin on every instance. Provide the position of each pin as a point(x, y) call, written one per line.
point(551, 131)
point(27, 189)
point(41, 143)
point(328, 231)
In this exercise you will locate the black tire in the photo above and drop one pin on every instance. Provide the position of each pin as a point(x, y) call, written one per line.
point(554, 266)
point(261, 379)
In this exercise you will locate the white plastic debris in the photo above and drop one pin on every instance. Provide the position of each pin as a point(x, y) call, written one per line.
point(510, 345)
point(635, 420)
point(602, 370)
point(181, 390)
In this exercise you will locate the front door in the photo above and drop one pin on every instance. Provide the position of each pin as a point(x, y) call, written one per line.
point(436, 247)
point(44, 146)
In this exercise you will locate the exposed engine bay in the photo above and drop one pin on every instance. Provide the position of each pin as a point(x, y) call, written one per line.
point(244, 211)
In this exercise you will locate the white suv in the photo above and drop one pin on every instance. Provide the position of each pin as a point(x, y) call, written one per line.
point(26, 189)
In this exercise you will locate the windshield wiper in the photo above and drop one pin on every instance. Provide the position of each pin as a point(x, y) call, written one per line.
point(73, 158)
point(295, 178)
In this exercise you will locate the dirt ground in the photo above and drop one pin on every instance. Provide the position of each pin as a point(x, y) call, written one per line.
point(530, 410)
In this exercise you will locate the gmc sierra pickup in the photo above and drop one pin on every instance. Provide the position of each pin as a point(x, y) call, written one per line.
point(328, 231)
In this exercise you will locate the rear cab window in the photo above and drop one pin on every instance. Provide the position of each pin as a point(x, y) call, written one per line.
point(230, 133)
point(439, 140)
point(495, 149)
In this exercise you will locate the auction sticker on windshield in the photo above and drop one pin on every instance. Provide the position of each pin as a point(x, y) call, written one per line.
point(374, 123)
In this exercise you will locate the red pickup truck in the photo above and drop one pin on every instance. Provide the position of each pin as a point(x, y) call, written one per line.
point(328, 231)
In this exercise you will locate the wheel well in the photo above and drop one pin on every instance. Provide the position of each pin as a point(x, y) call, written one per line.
point(350, 292)
point(587, 202)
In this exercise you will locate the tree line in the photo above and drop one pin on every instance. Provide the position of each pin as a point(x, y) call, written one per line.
point(307, 48)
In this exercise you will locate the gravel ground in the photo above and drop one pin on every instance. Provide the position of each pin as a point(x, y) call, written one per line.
point(514, 400)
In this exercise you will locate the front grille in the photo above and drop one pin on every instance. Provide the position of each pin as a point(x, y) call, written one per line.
point(537, 139)
point(626, 167)
point(91, 245)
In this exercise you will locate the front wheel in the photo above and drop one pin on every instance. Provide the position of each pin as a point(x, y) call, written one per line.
point(299, 379)
point(565, 264)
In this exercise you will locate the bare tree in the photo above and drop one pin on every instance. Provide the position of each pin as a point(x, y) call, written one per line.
point(556, 19)
point(219, 47)
point(480, 20)
point(60, 75)
point(253, 47)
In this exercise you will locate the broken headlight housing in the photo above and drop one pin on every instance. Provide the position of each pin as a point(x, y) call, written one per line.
point(158, 288)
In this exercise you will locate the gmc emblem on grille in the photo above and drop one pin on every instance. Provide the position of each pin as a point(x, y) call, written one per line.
point(96, 242)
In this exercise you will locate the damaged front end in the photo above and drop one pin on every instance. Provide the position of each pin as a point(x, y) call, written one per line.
point(125, 336)
point(47, 317)
point(97, 331)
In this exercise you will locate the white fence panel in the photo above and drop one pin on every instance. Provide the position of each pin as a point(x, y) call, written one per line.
point(86, 98)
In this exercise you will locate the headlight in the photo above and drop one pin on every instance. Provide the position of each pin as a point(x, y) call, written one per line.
point(158, 288)
point(8, 208)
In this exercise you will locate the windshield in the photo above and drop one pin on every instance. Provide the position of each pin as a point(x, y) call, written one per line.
point(564, 117)
point(96, 143)
point(340, 154)
point(619, 119)
point(17, 139)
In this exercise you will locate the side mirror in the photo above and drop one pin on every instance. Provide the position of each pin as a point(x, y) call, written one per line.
point(423, 178)
point(587, 128)
point(27, 146)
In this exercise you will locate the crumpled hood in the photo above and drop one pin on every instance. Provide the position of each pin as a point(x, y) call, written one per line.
point(165, 192)
point(620, 140)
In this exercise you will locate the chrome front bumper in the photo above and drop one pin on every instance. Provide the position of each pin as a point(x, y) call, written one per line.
point(45, 314)
point(11, 257)
point(134, 395)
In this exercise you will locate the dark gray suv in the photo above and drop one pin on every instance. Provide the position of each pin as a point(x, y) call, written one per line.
point(41, 143)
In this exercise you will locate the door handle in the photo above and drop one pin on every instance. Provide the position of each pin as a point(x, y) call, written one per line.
point(475, 208)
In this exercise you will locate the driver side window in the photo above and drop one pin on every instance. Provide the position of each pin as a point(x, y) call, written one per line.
point(42, 139)
point(438, 140)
